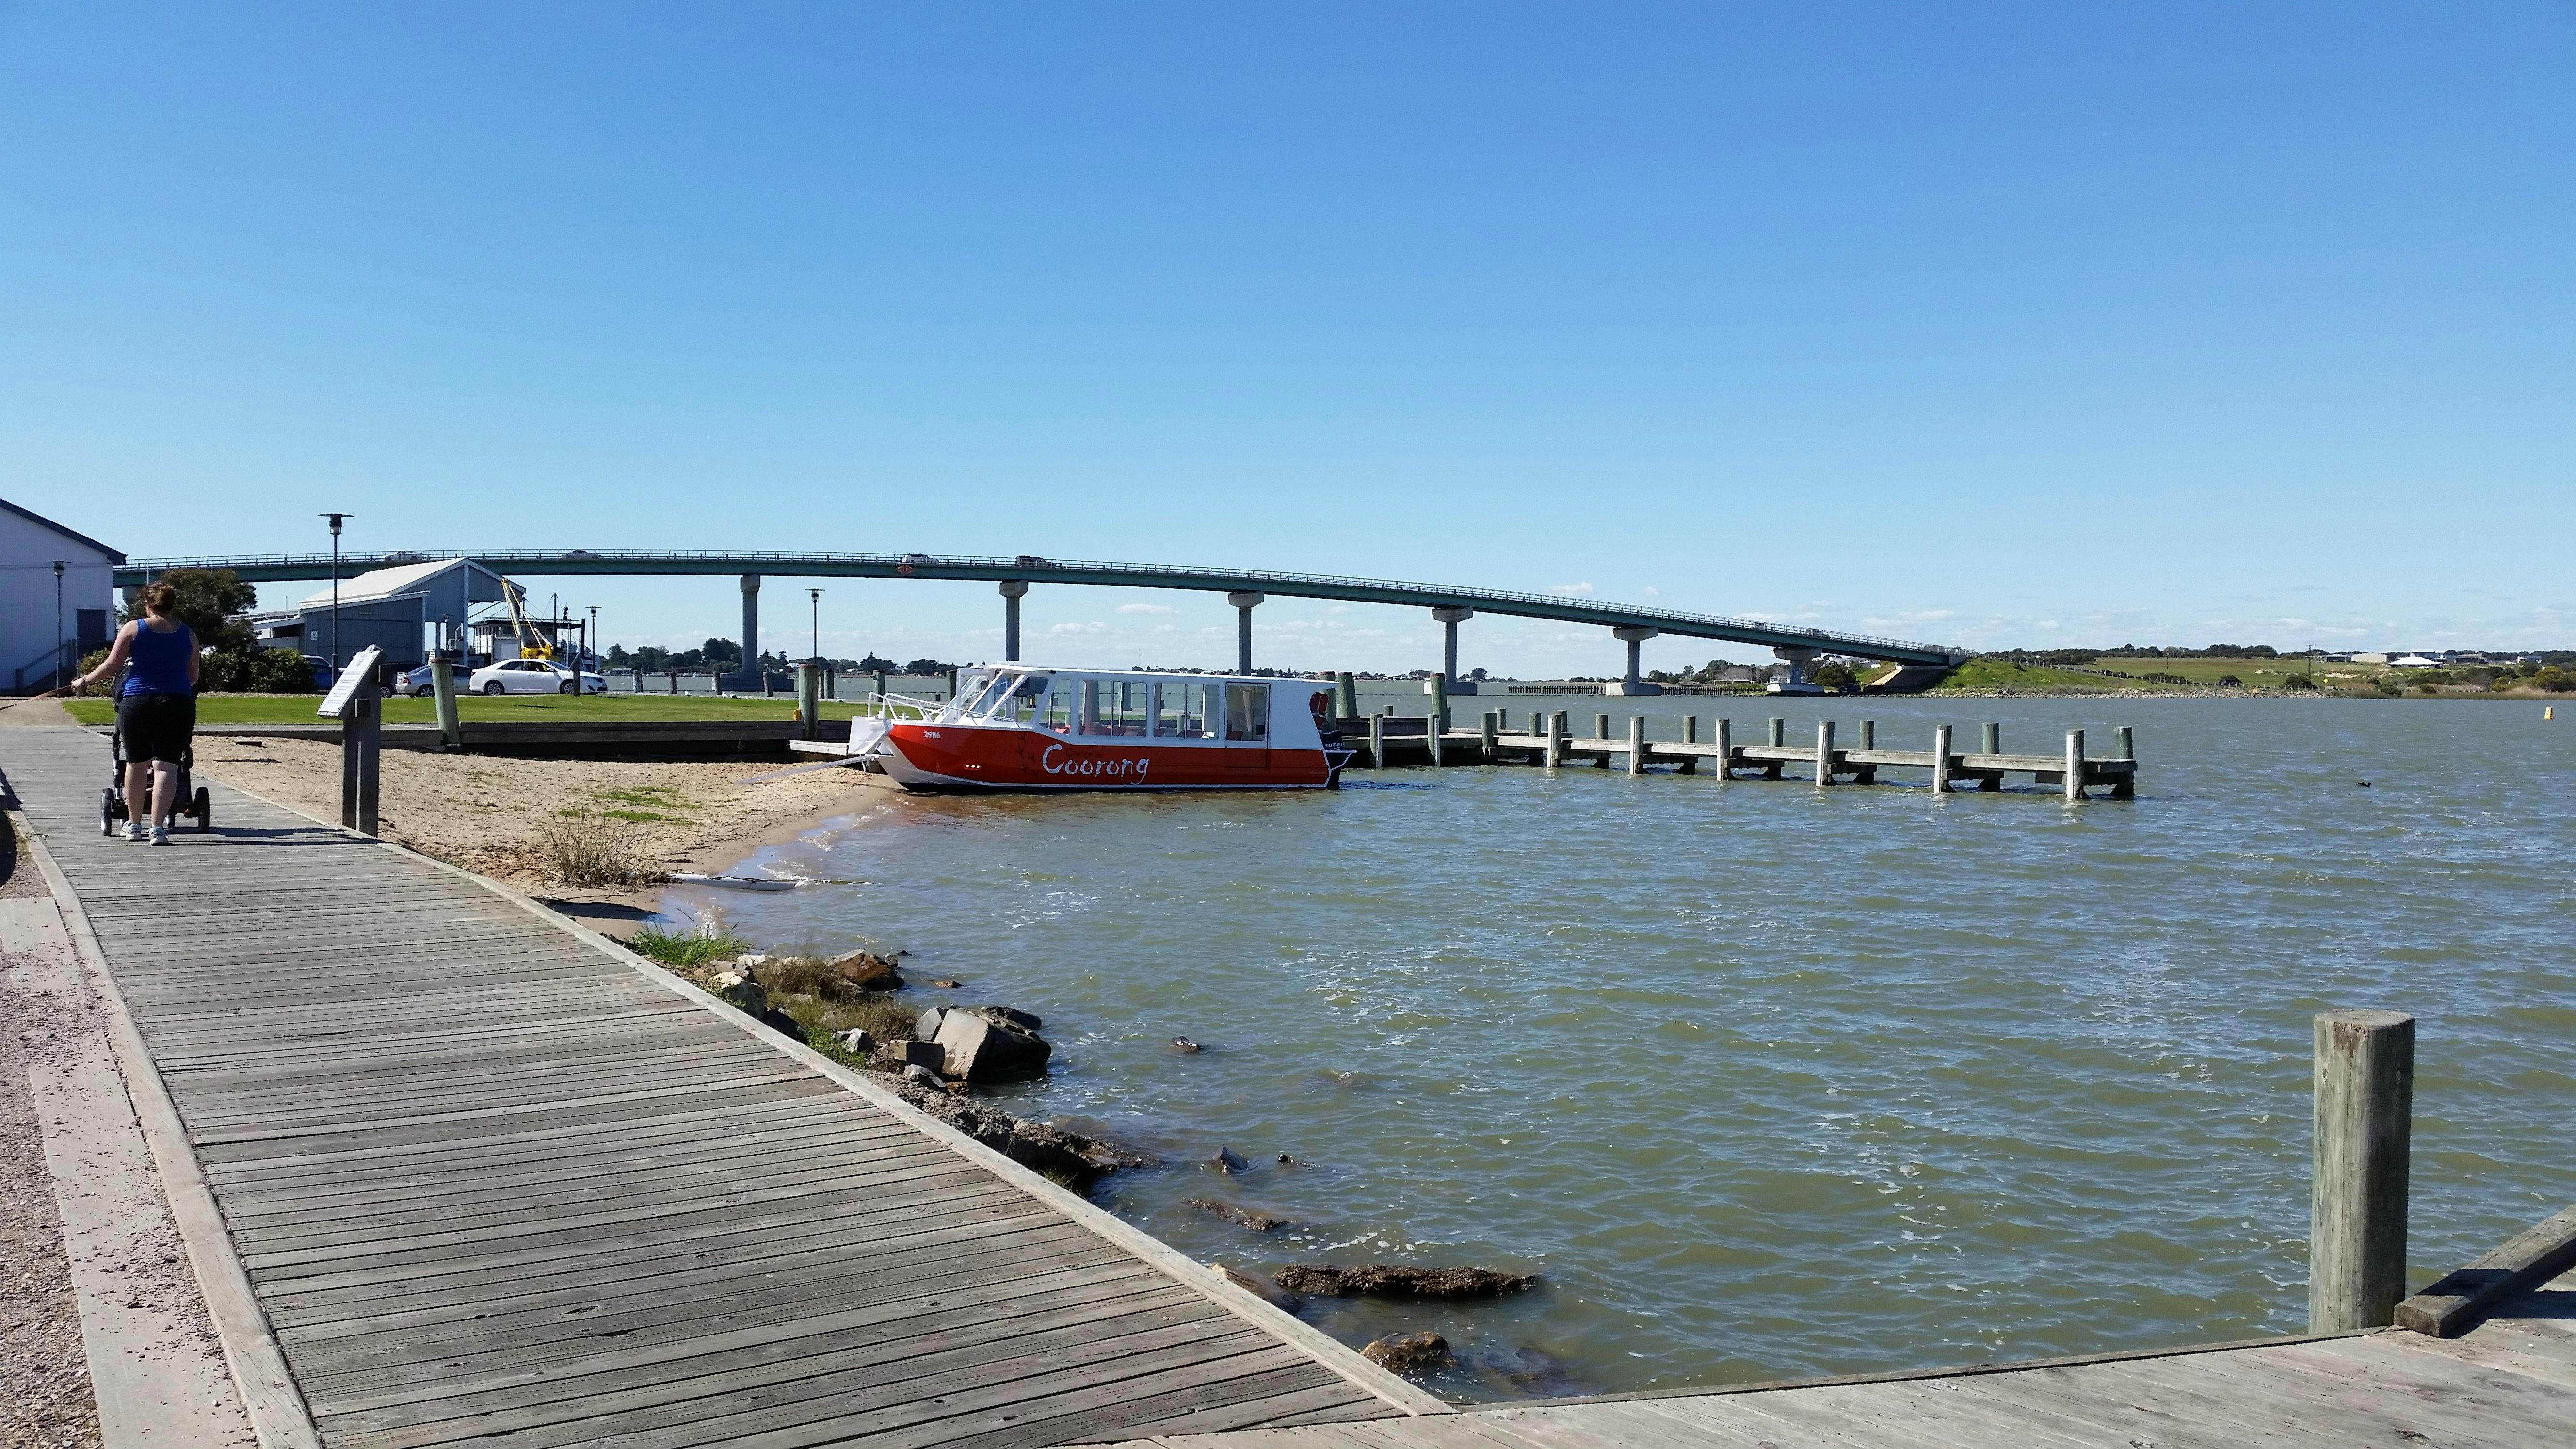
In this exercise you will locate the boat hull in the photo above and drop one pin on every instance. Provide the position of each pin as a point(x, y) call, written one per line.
point(948, 757)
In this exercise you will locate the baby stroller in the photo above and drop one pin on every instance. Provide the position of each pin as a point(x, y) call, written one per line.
point(189, 798)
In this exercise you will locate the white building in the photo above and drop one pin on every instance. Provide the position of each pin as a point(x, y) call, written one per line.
point(49, 619)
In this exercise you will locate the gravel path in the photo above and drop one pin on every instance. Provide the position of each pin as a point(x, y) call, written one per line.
point(44, 1373)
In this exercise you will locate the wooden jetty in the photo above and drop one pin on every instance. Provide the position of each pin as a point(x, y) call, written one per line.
point(454, 1170)
point(1387, 740)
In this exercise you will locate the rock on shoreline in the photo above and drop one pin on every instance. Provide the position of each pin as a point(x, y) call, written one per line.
point(1034, 1145)
point(1400, 1280)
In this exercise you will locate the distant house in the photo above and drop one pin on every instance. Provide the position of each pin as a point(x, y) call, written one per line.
point(2415, 661)
point(47, 622)
point(2371, 656)
point(405, 611)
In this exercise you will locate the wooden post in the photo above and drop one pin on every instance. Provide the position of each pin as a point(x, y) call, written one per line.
point(2075, 764)
point(1941, 760)
point(1377, 741)
point(1493, 726)
point(1439, 688)
point(1601, 726)
point(1690, 729)
point(809, 698)
point(1347, 686)
point(1726, 749)
point(1994, 740)
point(1824, 752)
point(1556, 739)
point(2125, 741)
point(2365, 1105)
point(442, 685)
point(1869, 734)
point(1431, 727)
point(1538, 724)
point(1636, 744)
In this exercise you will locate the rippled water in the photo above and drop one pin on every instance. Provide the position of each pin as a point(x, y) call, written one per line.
point(1766, 1080)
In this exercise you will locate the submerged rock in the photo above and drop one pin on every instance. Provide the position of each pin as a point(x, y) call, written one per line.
point(1034, 1145)
point(1404, 1352)
point(1253, 1218)
point(1257, 1287)
point(1184, 1044)
point(1229, 1162)
point(1401, 1280)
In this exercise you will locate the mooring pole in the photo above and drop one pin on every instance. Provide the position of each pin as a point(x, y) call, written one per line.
point(1377, 742)
point(1438, 688)
point(2075, 764)
point(1779, 731)
point(1556, 739)
point(442, 688)
point(2365, 1105)
point(1347, 686)
point(2125, 740)
point(809, 698)
point(1941, 760)
point(1636, 744)
point(1432, 723)
point(1994, 740)
point(1726, 749)
point(1493, 726)
point(1824, 752)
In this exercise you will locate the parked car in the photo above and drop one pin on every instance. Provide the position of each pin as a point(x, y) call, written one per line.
point(419, 685)
point(534, 676)
point(325, 674)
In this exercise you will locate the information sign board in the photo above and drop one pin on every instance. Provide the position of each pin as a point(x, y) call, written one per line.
point(345, 688)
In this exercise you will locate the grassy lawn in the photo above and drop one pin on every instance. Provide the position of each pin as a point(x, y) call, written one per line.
point(255, 709)
point(1985, 674)
point(2252, 673)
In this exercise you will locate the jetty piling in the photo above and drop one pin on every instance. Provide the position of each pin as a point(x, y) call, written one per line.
point(1493, 728)
point(1636, 744)
point(1726, 749)
point(1433, 727)
point(1941, 760)
point(2075, 764)
point(1377, 741)
point(2364, 1105)
point(1824, 753)
point(442, 688)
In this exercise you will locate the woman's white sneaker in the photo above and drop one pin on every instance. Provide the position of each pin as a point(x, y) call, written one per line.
point(160, 835)
point(134, 830)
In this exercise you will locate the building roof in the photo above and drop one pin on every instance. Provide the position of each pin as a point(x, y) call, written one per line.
point(41, 521)
point(406, 579)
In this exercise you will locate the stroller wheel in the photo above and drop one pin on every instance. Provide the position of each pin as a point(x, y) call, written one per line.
point(203, 808)
point(107, 814)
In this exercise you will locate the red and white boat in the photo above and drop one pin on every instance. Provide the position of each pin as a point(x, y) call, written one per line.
point(1029, 727)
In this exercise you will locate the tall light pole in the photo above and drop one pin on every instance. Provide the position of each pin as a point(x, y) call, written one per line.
point(598, 660)
point(59, 645)
point(817, 655)
point(336, 520)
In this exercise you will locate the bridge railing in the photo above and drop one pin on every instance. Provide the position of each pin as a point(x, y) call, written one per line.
point(1035, 569)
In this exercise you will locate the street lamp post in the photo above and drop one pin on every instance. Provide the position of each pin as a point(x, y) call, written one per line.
point(336, 520)
point(817, 655)
point(59, 646)
point(598, 660)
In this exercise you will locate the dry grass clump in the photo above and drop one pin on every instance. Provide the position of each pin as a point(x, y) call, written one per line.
point(595, 852)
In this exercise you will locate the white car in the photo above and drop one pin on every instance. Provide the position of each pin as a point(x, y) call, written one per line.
point(534, 676)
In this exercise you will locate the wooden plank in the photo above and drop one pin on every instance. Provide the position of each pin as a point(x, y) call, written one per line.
point(2459, 1301)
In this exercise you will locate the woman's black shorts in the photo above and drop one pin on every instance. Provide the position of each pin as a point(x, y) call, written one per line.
point(156, 726)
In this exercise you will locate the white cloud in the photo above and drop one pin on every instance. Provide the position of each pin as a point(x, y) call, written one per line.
point(1095, 627)
point(1157, 609)
point(1651, 592)
point(1571, 590)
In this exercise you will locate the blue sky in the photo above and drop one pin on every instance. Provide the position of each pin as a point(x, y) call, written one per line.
point(1990, 325)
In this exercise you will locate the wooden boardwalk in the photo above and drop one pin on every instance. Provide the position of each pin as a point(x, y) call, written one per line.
point(2509, 1384)
point(487, 1181)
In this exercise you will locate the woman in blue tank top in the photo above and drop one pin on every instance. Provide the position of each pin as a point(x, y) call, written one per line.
point(156, 711)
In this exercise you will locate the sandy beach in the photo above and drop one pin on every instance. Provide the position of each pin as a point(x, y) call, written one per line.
point(485, 813)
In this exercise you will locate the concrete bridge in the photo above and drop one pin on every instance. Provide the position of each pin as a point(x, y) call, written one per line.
point(1244, 589)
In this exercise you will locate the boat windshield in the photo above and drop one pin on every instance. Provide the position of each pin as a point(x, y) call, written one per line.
point(1013, 697)
point(970, 685)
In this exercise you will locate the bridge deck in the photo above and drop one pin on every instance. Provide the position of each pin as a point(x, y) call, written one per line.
point(490, 1181)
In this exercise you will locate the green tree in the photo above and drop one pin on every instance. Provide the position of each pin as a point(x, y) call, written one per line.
point(1835, 678)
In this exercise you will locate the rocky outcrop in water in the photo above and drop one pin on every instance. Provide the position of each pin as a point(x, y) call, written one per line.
point(1404, 1352)
point(990, 1044)
point(1400, 1280)
point(1068, 1156)
point(1242, 1217)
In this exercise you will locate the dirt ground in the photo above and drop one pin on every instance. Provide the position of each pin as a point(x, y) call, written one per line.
point(485, 812)
point(44, 1372)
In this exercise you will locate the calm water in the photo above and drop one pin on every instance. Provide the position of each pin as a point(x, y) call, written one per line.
point(1766, 1080)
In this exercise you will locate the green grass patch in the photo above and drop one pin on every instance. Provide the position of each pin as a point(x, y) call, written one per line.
point(686, 950)
point(1990, 673)
point(260, 709)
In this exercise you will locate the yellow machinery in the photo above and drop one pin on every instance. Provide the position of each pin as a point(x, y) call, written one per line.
point(532, 645)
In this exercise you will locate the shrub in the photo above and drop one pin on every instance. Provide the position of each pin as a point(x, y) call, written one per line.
point(687, 950)
point(2230, 681)
point(591, 852)
point(2297, 682)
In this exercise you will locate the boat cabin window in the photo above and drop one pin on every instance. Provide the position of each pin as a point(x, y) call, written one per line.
point(1060, 706)
point(1119, 707)
point(996, 694)
point(1185, 711)
point(1247, 712)
point(1026, 700)
point(970, 689)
